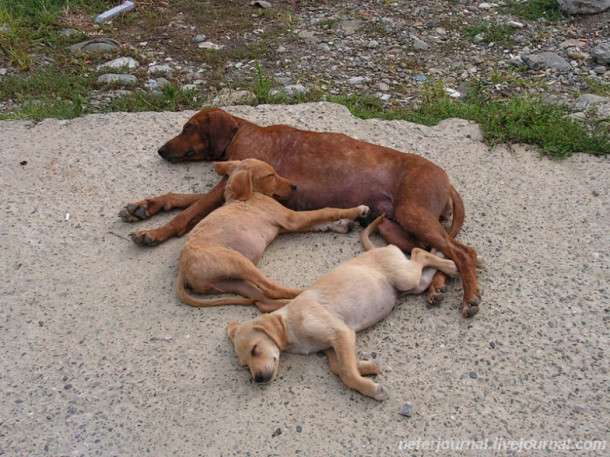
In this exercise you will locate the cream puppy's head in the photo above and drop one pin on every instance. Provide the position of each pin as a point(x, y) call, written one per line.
point(258, 344)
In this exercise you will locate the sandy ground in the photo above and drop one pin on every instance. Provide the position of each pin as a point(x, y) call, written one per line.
point(98, 357)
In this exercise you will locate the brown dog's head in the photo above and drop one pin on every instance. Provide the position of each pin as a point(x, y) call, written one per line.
point(258, 344)
point(253, 175)
point(204, 137)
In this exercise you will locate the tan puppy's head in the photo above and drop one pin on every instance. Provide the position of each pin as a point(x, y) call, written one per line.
point(252, 175)
point(258, 344)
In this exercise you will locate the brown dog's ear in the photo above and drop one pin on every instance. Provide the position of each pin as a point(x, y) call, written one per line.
point(222, 129)
point(240, 185)
point(274, 326)
point(233, 326)
point(225, 168)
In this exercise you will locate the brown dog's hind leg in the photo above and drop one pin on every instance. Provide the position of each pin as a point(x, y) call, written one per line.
point(432, 233)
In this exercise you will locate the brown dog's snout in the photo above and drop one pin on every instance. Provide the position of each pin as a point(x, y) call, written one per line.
point(293, 187)
point(162, 151)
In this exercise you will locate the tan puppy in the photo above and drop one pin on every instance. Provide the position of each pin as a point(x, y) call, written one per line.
point(221, 252)
point(327, 315)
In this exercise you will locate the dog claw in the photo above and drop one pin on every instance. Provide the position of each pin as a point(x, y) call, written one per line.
point(131, 213)
point(142, 239)
point(472, 308)
point(381, 393)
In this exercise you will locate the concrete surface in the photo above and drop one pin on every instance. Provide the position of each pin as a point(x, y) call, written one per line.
point(98, 357)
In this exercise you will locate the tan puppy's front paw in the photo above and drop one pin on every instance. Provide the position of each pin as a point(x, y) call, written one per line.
point(364, 210)
point(381, 393)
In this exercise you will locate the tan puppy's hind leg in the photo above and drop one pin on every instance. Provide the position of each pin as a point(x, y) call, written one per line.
point(344, 346)
point(365, 367)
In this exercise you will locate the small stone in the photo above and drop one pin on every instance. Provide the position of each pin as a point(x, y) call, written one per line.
point(154, 69)
point(492, 345)
point(383, 87)
point(601, 54)
point(515, 24)
point(486, 6)
point(121, 62)
point(281, 49)
point(473, 375)
point(199, 38)
point(210, 45)
point(406, 410)
point(277, 432)
point(117, 78)
point(600, 70)
point(262, 4)
point(299, 429)
point(420, 44)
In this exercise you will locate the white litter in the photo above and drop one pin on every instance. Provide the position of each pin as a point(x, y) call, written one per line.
point(106, 15)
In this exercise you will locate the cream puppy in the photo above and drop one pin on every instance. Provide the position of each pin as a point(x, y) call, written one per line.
point(327, 315)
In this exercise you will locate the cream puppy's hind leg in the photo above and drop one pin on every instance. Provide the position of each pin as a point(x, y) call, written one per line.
point(344, 346)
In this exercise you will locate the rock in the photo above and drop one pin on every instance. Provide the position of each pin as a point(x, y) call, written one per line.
point(420, 44)
point(294, 89)
point(406, 410)
point(586, 100)
point(68, 32)
point(155, 69)
point(210, 45)
point(121, 62)
point(584, 6)
point(351, 27)
point(383, 87)
point(601, 53)
point(156, 84)
point(199, 38)
point(546, 60)
point(515, 24)
point(357, 80)
point(5, 29)
point(473, 375)
point(227, 97)
point(486, 6)
point(117, 78)
point(95, 45)
point(262, 4)
point(600, 70)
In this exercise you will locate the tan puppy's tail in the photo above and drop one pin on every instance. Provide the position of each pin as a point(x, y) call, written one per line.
point(202, 302)
point(366, 242)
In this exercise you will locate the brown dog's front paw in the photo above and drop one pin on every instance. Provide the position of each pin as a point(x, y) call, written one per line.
point(381, 393)
point(133, 213)
point(471, 308)
point(142, 238)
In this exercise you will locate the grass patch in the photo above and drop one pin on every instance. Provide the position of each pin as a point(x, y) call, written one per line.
point(536, 9)
point(515, 120)
point(496, 33)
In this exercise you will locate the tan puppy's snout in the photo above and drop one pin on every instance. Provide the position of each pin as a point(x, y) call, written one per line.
point(261, 377)
point(293, 186)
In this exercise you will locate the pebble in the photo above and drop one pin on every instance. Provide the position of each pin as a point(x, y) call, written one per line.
point(473, 375)
point(210, 45)
point(199, 38)
point(164, 68)
point(406, 410)
point(117, 78)
point(121, 62)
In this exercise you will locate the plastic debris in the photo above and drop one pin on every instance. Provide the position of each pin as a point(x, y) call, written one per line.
point(107, 15)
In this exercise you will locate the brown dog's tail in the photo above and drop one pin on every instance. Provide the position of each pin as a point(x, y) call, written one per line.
point(458, 213)
point(203, 302)
point(366, 242)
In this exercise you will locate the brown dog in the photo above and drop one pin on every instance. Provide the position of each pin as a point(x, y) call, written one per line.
point(333, 170)
point(327, 315)
point(221, 252)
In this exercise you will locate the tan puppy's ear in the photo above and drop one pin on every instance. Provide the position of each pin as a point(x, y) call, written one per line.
point(233, 326)
point(274, 326)
point(240, 185)
point(225, 168)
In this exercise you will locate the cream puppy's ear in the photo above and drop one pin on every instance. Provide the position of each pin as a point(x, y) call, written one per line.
point(233, 326)
point(226, 168)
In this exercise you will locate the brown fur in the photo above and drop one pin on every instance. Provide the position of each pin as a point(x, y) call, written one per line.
point(331, 169)
point(221, 252)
